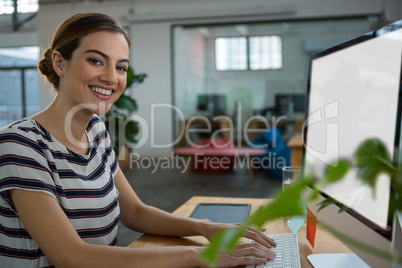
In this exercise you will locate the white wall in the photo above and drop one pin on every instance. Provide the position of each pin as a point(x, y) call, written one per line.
point(18, 40)
point(150, 22)
point(151, 55)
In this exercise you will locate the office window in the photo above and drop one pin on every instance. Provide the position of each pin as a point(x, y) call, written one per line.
point(19, 83)
point(265, 52)
point(248, 53)
point(23, 6)
point(231, 53)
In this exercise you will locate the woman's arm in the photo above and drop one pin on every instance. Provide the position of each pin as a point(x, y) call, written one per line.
point(48, 225)
point(140, 217)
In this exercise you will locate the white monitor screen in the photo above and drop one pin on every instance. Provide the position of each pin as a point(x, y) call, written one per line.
point(353, 96)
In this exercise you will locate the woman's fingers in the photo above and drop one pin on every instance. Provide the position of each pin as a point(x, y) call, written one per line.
point(231, 261)
point(260, 237)
point(246, 254)
point(253, 249)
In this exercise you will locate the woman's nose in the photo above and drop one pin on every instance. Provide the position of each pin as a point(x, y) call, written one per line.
point(109, 76)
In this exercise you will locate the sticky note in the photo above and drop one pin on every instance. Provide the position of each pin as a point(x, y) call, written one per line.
point(311, 227)
point(296, 222)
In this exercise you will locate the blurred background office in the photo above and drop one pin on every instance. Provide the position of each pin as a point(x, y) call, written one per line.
point(231, 58)
point(229, 52)
point(238, 61)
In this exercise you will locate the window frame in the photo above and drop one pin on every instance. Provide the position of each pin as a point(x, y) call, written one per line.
point(19, 6)
point(22, 70)
point(247, 52)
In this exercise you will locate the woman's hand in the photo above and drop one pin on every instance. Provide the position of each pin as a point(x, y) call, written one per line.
point(245, 254)
point(213, 228)
point(256, 252)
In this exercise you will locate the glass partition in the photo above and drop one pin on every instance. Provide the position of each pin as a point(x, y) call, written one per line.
point(200, 68)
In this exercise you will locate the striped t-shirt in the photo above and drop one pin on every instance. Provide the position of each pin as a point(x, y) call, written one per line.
point(32, 159)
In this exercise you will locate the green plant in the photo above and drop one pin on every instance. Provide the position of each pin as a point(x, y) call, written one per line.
point(119, 128)
point(371, 158)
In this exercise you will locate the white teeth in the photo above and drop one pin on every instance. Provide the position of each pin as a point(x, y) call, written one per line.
point(101, 91)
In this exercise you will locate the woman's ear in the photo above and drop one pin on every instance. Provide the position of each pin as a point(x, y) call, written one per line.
point(58, 63)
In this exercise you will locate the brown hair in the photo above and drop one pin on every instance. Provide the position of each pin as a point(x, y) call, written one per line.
point(68, 35)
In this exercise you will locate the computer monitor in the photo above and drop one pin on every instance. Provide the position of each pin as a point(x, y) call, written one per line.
point(353, 94)
point(214, 104)
point(288, 104)
point(299, 102)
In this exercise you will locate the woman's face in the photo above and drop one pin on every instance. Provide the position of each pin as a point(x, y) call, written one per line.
point(95, 76)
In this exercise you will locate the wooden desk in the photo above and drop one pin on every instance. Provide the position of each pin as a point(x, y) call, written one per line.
point(296, 146)
point(325, 242)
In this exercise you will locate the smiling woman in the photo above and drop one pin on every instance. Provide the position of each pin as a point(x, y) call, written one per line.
point(62, 192)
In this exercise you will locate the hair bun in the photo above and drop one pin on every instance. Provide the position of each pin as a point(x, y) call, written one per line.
point(45, 66)
point(48, 54)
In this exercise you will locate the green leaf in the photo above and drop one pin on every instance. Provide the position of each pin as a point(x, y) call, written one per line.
point(126, 103)
point(132, 127)
point(130, 137)
point(123, 107)
point(225, 240)
point(130, 76)
point(372, 158)
point(110, 113)
point(395, 203)
point(286, 203)
point(138, 79)
point(326, 203)
point(314, 195)
point(133, 79)
point(343, 208)
point(331, 201)
point(397, 181)
point(335, 173)
point(116, 150)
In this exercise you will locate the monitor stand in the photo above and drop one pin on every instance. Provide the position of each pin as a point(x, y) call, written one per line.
point(336, 260)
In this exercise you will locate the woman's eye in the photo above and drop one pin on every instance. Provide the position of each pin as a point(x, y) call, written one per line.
point(122, 68)
point(95, 61)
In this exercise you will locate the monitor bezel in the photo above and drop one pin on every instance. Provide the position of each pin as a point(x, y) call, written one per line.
point(386, 233)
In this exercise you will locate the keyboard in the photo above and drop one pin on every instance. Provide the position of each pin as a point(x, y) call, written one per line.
point(286, 250)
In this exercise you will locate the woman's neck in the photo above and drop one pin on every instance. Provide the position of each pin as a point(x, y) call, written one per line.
point(66, 124)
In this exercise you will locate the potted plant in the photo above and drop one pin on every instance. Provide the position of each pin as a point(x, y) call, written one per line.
point(119, 128)
point(371, 158)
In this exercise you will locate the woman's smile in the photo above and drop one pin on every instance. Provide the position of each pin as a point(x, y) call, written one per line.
point(102, 92)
